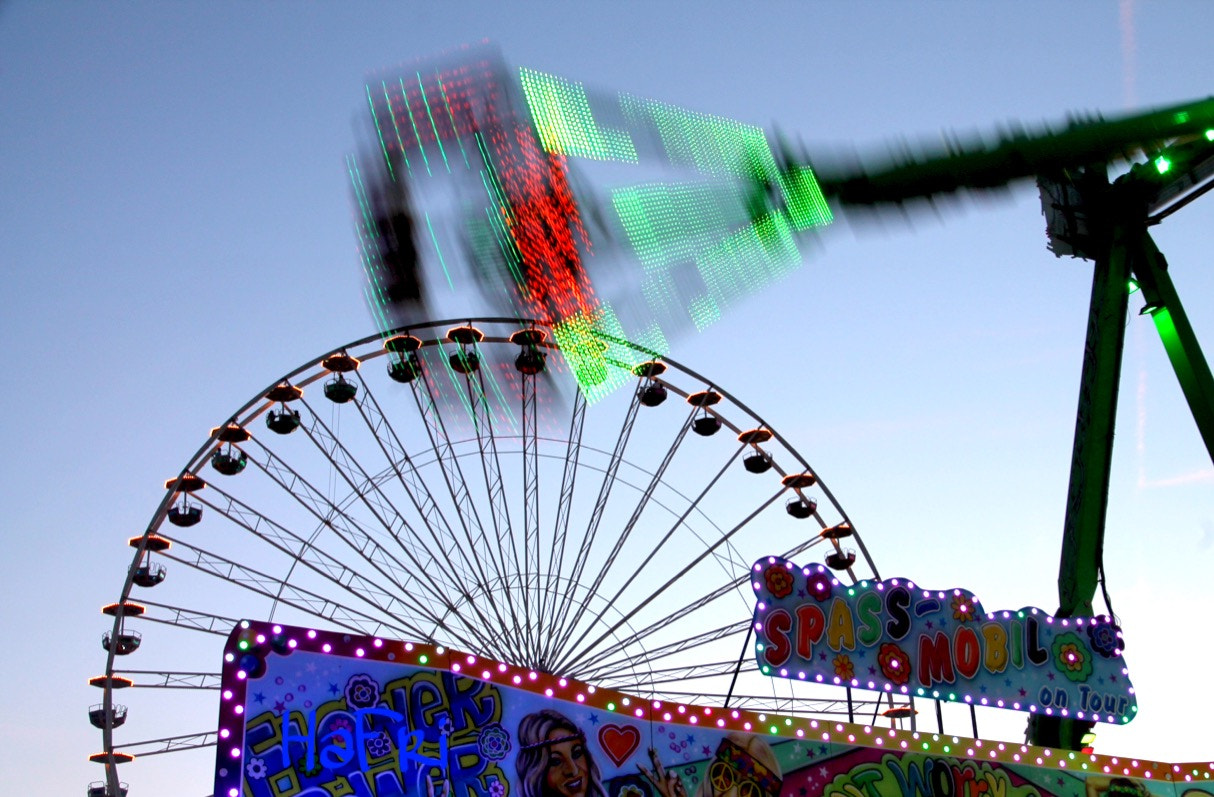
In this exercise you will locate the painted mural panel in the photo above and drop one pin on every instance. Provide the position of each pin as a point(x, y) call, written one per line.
point(317, 714)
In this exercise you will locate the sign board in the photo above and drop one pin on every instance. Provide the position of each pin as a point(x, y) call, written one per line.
point(897, 637)
point(313, 714)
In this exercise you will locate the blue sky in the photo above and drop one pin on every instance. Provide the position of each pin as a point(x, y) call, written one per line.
point(176, 232)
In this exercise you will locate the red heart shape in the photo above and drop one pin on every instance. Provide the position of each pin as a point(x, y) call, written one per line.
point(619, 741)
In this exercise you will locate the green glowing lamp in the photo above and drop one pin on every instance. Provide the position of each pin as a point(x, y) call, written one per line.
point(1163, 164)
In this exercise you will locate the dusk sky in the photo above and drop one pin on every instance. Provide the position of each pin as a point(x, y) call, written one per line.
point(176, 232)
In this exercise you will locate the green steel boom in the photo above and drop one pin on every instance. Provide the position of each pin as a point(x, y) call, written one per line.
point(1106, 222)
point(1018, 155)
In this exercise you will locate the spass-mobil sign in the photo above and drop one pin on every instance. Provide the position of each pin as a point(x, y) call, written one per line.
point(897, 637)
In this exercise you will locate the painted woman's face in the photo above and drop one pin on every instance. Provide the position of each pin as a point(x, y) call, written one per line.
point(568, 772)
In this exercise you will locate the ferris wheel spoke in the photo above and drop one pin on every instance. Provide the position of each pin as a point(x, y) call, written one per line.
point(678, 674)
point(169, 744)
point(556, 554)
point(491, 469)
point(190, 619)
point(315, 559)
point(441, 537)
point(365, 487)
point(656, 479)
point(531, 519)
point(763, 704)
point(596, 515)
point(721, 542)
point(347, 530)
point(620, 664)
point(159, 679)
point(707, 599)
point(614, 601)
point(457, 487)
point(283, 592)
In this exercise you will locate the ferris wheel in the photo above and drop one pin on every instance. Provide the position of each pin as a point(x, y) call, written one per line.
point(450, 484)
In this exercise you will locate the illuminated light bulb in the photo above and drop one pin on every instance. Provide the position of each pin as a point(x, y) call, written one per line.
point(1163, 164)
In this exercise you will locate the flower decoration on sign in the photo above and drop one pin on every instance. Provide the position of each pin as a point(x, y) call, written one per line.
point(963, 608)
point(895, 664)
point(1105, 639)
point(362, 691)
point(379, 745)
point(256, 768)
point(779, 580)
point(493, 742)
point(818, 584)
point(844, 667)
point(1071, 657)
point(496, 788)
point(303, 767)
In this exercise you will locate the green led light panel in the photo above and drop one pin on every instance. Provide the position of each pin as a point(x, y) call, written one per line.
point(562, 116)
point(806, 204)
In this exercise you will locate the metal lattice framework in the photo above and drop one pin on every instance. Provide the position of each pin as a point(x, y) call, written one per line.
point(476, 499)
